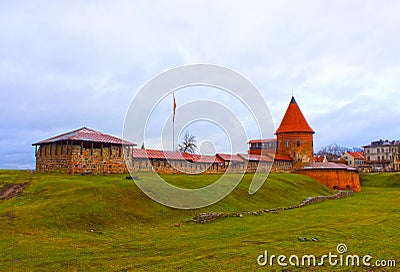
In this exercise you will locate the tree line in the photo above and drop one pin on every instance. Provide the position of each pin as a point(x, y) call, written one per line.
point(334, 151)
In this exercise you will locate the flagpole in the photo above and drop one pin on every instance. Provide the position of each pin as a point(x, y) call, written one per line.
point(173, 123)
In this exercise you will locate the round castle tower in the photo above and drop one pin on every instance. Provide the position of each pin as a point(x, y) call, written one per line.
point(295, 136)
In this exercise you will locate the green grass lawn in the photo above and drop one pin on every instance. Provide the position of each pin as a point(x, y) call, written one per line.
point(48, 226)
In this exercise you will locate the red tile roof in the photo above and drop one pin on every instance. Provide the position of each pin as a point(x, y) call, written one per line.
point(158, 154)
point(230, 157)
point(252, 157)
point(86, 134)
point(357, 155)
point(205, 158)
point(279, 157)
point(218, 158)
point(174, 155)
point(294, 120)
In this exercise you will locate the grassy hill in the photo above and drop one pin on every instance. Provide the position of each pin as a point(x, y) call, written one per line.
point(82, 202)
point(380, 180)
point(64, 222)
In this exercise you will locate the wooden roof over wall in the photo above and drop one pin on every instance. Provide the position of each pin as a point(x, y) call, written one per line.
point(86, 134)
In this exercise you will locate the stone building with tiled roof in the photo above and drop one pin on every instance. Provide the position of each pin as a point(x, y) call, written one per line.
point(82, 151)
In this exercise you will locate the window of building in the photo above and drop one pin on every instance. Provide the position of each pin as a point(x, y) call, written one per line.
point(287, 144)
point(379, 158)
point(298, 143)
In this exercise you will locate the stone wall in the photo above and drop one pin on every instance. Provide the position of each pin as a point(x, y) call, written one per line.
point(261, 166)
point(338, 179)
point(80, 158)
point(211, 216)
point(173, 166)
point(179, 167)
point(282, 166)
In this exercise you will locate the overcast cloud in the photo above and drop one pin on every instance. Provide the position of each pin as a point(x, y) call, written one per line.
point(64, 65)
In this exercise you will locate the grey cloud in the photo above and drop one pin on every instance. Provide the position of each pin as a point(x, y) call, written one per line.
point(64, 65)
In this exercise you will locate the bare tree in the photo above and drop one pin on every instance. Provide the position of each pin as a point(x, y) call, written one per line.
point(188, 143)
point(357, 149)
point(332, 151)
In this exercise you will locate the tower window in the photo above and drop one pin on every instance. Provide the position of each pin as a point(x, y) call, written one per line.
point(298, 143)
point(287, 144)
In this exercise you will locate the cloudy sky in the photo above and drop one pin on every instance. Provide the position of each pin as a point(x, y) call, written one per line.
point(68, 64)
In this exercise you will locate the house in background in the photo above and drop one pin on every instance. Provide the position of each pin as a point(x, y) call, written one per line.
point(383, 155)
point(320, 158)
point(354, 159)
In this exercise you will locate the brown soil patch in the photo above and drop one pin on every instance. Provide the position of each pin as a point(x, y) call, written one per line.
point(11, 190)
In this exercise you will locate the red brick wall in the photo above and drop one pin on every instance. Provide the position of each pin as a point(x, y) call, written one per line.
point(298, 146)
point(334, 178)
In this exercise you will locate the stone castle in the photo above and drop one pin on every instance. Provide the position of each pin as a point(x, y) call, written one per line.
point(88, 151)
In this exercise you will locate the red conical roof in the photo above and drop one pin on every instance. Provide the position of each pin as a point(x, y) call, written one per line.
point(294, 120)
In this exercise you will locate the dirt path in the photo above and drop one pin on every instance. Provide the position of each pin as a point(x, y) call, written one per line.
point(11, 190)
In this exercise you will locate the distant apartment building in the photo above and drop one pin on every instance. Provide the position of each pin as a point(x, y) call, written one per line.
point(383, 155)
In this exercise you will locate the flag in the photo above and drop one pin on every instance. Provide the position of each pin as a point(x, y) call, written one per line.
point(173, 118)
